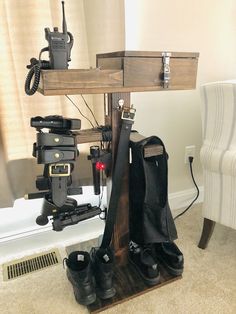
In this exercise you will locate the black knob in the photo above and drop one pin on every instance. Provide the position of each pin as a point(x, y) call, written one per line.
point(42, 220)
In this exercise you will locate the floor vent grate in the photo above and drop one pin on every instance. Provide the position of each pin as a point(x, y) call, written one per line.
point(29, 264)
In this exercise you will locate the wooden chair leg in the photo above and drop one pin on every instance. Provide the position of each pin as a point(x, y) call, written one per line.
point(207, 230)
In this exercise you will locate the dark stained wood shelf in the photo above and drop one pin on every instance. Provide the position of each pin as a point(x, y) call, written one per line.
point(123, 72)
point(129, 284)
point(144, 69)
point(145, 54)
point(88, 136)
point(94, 135)
point(77, 81)
point(118, 74)
point(104, 90)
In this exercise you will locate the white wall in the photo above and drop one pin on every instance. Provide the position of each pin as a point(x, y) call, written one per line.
point(105, 26)
point(105, 30)
point(205, 26)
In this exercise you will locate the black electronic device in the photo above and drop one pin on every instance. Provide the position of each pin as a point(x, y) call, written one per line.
point(70, 214)
point(94, 156)
point(101, 161)
point(55, 123)
point(59, 49)
point(59, 44)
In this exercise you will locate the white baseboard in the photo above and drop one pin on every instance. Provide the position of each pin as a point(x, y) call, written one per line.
point(182, 199)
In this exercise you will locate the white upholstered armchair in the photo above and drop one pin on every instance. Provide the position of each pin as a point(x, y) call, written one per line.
point(218, 156)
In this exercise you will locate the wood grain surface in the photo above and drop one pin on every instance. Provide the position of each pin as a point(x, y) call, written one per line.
point(156, 54)
point(122, 72)
point(129, 284)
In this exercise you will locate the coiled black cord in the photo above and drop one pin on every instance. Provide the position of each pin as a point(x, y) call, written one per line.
point(34, 71)
point(35, 68)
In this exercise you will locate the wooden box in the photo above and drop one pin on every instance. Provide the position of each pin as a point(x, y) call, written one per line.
point(124, 71)
point(145, 68)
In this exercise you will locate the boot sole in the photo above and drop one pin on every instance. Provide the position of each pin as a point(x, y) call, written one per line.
point(148, 281)
point(169, 269)
point(91, 298)
point(106, 294)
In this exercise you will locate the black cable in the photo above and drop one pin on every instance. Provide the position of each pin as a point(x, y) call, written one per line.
point(106, 136)
point(101, 195)
point(34, 67)
point(103, 214)
point(30, 89)
point(196, 197)
point(80, 111)
point(89, 109)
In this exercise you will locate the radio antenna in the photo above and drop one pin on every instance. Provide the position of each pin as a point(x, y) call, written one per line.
point(64, 26)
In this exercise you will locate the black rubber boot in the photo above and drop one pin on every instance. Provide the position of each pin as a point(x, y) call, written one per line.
point(141, 257)
point(103, 264)
point(168, 254)
point(80, 275)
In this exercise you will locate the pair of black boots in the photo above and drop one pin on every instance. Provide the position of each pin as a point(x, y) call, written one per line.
point(146, 260)
point(91, 274)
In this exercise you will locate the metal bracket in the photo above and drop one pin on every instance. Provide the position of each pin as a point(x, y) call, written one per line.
point(106, 105)
point(121, 103)
point(128, 113)
point(166, 69)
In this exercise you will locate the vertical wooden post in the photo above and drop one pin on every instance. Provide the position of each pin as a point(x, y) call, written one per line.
point(121, 229)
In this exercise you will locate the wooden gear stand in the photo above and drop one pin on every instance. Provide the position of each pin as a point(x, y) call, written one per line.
point(117, 75)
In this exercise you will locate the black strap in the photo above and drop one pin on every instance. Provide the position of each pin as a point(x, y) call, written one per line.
point(52, 140)
point(59, 190)
point(122, 153)
point(59, 174)
point(57, 154)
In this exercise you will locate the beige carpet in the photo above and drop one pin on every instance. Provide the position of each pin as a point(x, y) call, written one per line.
point(208, 284)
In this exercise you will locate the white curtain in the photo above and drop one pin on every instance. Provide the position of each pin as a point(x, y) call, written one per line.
point(97, 26)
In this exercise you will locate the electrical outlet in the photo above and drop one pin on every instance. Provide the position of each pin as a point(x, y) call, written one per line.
point(189, 152)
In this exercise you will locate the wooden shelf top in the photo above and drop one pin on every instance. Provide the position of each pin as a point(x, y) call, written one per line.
point(123, 72)
point(146, 54)
point(95, 135)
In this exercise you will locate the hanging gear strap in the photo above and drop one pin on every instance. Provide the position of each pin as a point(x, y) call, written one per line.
point(59, 174)
point(122, 153)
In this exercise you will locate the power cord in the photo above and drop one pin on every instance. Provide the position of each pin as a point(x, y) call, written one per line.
point(80, 111)
point(190, 159)
point(86, 104)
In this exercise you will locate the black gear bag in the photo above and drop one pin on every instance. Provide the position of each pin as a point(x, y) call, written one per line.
point(151, 220)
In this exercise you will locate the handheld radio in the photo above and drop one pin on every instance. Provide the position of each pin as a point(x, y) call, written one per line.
point(59, 48)
point(58, 45)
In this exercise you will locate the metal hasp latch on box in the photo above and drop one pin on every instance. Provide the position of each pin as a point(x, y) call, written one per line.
point(153, 70)
point(166, 69)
